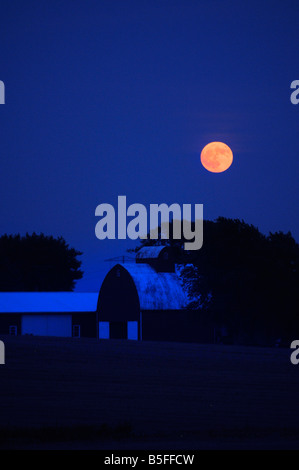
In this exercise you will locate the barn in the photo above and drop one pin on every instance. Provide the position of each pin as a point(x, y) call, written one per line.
point(138, 300)
point(63, 314)
point(145, 300)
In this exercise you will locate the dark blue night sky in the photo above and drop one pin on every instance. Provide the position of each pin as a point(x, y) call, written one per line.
point(108, 98)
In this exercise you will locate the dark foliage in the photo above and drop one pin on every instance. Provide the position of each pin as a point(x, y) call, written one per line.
point(37, 263)
point(243, 280)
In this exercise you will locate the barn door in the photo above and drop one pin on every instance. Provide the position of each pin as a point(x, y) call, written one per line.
point(133, 330)
point(104, 330)
point(118, 330)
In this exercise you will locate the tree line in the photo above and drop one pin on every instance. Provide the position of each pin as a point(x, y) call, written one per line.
point(37, 263)
point(242, 280)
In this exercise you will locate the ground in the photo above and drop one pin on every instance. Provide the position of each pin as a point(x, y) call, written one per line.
point(90, 394)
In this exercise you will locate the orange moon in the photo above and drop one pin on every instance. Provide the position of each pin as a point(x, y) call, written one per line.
point(216, 157)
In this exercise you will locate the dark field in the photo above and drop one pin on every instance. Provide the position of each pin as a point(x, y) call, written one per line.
point(67, 393)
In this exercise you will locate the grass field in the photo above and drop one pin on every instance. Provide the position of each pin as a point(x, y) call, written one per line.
point(68, 393)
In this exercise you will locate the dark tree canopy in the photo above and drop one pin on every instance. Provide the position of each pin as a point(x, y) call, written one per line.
point(243, 280)
point(37, 263)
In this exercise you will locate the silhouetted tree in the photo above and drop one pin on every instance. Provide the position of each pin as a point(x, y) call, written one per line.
point(243, 280)
point(37, 263)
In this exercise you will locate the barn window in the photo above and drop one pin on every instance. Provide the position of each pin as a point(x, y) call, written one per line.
point(76, 331)
point(13, 330)
point(118, 273)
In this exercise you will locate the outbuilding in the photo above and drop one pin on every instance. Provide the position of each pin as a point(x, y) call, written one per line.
point(63, 314)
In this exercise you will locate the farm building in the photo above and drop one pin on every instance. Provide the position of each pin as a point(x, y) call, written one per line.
point(139, 300)
point(48, 314)
point(145, 300)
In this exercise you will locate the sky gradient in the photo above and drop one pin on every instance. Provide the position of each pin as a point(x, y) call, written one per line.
point(108, 98)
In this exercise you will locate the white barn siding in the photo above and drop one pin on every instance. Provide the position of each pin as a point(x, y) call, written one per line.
point(104, 330)
point(47, 325)
point(133, 330)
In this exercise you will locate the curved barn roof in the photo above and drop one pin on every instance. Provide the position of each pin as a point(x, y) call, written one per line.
point(156, 290)
point(150, 252)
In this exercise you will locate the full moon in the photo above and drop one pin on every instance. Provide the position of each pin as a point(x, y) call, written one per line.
point(216, 157)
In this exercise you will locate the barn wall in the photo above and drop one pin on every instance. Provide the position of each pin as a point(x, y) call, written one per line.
point(87, 322)
point(50, 324)
point(47, 324)
point(119, 330)
point(10, 319)
point(175, 325)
